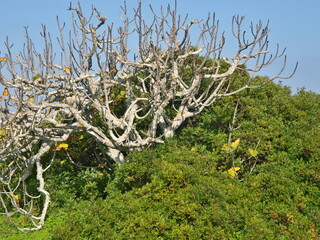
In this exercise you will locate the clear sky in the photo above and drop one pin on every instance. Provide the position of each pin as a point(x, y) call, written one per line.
point(294, 24)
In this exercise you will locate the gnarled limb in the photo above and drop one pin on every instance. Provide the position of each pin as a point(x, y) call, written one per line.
point(126, 101)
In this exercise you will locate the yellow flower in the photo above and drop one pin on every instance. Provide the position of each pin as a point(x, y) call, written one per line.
point(253, 153)
point(16, 197)
point(233, 171)
point(235, 143)
point(231, 146)
point(67, 70)
point(226, 147)
point(62, 145)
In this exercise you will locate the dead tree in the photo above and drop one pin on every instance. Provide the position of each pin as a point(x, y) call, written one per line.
point(127, 98)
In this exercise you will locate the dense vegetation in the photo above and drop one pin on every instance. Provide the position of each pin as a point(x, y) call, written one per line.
point(189, 188)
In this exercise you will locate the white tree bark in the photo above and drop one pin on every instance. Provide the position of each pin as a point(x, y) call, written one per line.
point(126, 101)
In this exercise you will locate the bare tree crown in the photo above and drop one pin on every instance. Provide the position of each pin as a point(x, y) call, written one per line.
point(126, 99)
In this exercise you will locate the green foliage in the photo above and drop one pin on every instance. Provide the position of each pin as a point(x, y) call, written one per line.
point(182, 189)
point(281, 123)
point(52, 222)
point(185, 197)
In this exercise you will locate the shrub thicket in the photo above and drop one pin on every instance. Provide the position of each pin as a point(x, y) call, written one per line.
point(182, 190)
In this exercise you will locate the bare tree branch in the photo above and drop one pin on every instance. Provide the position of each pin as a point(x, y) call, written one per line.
point(126, 100)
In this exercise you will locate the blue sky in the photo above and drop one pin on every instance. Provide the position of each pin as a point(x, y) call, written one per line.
point(294, 24)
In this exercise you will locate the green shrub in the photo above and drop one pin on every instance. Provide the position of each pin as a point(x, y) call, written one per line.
point(181, 190)
point(185, 197)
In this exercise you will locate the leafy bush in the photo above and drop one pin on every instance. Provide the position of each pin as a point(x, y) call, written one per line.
point(182, 189)
point(185, 197)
